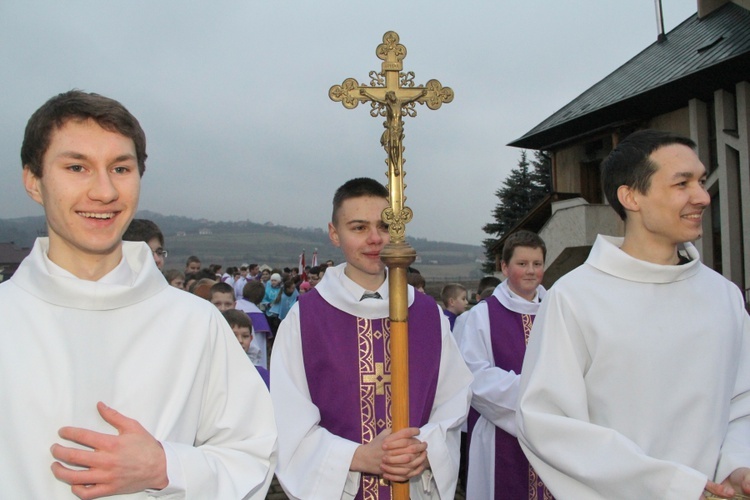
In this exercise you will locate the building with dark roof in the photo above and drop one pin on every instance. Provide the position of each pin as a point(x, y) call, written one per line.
point(695, 81)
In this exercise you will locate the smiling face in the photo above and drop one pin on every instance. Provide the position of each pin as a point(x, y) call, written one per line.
point(524, 271)
point(671, 210)
point(89, 189)
point(361, 234)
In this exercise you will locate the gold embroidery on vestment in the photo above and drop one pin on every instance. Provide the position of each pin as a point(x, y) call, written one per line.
point(536, 484)
point(528, 322)
point(374, 389)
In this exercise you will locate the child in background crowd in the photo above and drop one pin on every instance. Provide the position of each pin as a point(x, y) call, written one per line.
point(252, 295)
point(222, 296)
point(273, 289)
point(286, 299)
point(192, 265)
point(454, 300)
point(175, 278)
point(243, 330)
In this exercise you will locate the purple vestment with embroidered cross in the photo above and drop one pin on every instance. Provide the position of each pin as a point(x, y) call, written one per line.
point(348, 367)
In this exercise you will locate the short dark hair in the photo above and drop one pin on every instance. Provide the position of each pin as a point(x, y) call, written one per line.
point(235, 317)
point(192, 258)
point(416, 280)
point(143, 230)
point(254, 291)
point(220, 287)
point(487, 282)
point(80, 106)
point(171, 274)
point(629, 163)
point(522, 238)
point(205, 273)
point(451, 291)
point(357, 188)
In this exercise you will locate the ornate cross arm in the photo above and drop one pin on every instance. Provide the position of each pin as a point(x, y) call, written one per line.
point(350, 93)
point(393, 95)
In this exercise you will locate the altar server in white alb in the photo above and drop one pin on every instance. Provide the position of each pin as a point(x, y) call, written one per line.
point(636, 381)
point(331, 370)
point(113, 382)
point(493, 343)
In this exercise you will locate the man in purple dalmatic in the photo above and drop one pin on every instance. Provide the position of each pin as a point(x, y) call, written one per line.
point(493, 343)
point(331, 368)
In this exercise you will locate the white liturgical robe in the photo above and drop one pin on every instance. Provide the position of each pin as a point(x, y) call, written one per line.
point(313, 462)
point(636, 381)
point(494, 390)
point(148, 350)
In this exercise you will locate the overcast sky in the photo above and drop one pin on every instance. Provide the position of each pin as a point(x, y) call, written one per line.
point(233, 95)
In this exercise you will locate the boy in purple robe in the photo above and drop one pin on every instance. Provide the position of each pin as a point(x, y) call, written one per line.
point(331, 371)
point(493, 343)
point(252, 295)
point(454, 300)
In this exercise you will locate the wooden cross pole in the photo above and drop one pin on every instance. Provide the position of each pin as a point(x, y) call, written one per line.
point(392, 94)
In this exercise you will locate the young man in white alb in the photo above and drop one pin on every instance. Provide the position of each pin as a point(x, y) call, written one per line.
point(121, 383)
point(636, 381)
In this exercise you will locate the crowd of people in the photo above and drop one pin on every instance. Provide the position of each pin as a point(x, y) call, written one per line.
point(629, 378)
point(264, 294)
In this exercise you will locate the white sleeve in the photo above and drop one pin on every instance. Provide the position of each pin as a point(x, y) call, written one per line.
point(735, 450)
point(495, 391)
point(459, 326)
point(234, 450)
point(443, 431)
point(575, 457)
point(313, 462)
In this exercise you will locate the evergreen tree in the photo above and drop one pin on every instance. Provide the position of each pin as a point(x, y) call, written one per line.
point(541, 176)
point(526, 185)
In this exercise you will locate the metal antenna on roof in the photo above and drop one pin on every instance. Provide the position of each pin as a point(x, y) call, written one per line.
point(661, 36)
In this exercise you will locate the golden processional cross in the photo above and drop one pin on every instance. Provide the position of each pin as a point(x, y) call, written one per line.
point(393, 95)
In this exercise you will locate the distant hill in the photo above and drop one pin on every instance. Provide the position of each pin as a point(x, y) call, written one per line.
point(232, 243)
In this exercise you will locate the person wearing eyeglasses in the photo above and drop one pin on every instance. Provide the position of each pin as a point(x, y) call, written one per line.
point(147, 230)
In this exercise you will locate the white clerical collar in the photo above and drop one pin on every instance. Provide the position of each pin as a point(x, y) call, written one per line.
point(515, 296)
point(344, 294)
point(515, 303)
point(607, 257)
point(122, 274)
point(357, 291)
point(40, 277)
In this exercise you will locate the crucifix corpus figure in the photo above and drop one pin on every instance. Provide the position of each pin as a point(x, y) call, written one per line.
point(392, 94)
point(393, 136)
